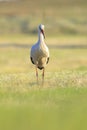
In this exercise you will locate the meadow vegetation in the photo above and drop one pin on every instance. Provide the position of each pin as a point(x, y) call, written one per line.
point(61, 103)
point(60, 17)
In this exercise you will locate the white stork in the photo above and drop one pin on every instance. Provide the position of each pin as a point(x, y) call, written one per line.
point(39, 53)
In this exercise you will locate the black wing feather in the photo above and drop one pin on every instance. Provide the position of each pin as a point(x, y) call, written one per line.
point(32, 60)
point(48, 60)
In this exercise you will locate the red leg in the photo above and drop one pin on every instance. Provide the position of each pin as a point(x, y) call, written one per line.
point(43, 75)
point(37, 74)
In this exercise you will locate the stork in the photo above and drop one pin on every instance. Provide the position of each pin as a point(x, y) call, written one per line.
point(39, 53)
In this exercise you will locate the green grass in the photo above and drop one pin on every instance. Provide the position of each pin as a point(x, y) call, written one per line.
point(59, 104)
point(40, 108)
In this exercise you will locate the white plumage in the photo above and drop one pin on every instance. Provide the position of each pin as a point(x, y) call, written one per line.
point(39, 53)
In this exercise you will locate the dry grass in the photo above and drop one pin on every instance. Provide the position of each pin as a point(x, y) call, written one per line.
point(59, 104)
point(67, 67)
point(50, 40)
point(60, 17)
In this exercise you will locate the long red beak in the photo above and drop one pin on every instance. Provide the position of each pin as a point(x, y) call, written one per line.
point(43, 33)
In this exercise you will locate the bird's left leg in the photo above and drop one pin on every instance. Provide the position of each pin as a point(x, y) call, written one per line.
point(36, 73)
point(43, 75)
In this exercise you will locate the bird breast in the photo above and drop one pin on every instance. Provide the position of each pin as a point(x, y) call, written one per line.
point(39, 51)
point(43, 50)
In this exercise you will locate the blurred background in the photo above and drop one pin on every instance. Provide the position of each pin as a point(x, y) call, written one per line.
point(61, 17)
point(65, 27)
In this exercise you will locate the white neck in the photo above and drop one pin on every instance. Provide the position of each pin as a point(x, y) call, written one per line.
point(40, 37)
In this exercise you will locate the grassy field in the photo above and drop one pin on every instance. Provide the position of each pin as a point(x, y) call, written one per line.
point(40, 108)
point(61, 102)
point(60, 17)
point(56, 40)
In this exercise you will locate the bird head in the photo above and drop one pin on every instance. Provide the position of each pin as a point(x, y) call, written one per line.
point(41, 28)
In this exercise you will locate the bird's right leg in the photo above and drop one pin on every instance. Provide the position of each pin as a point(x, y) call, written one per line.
point(43, 76)
point(37, 73)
